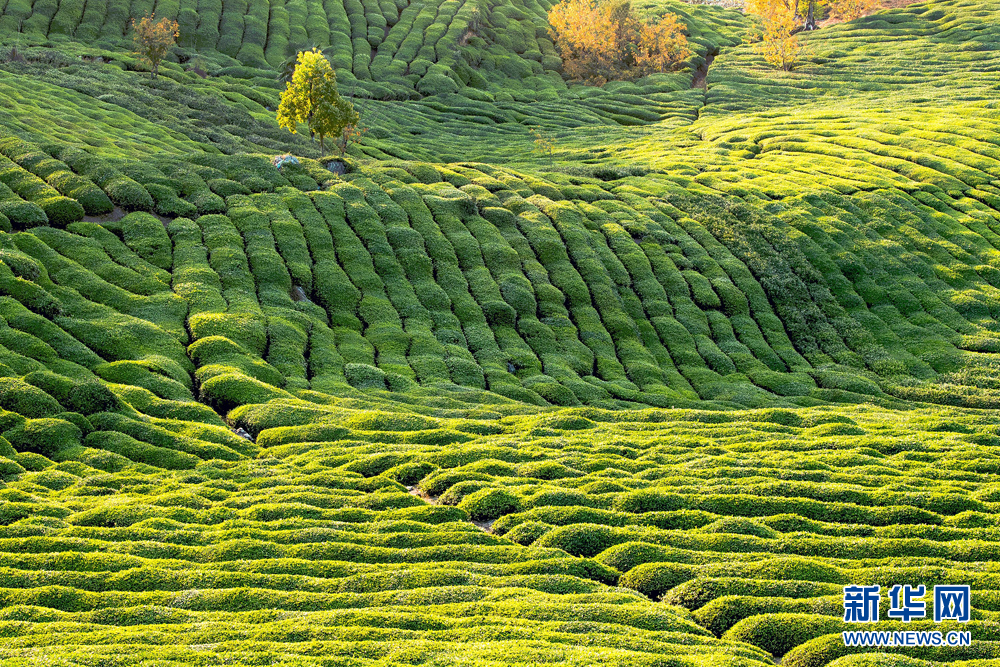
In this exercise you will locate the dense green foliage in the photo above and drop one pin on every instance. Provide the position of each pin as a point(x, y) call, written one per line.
point(652, 398)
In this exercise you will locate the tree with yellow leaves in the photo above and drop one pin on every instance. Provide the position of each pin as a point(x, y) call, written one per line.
point(777, 43)
point(601, 41)
point(849, 10)
point(311, 97)
point(662, 45)
point(153, 39)
point(776, 39)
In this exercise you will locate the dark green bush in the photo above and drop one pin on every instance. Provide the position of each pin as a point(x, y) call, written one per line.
point(224, 187)
point(82, 397)
point(128, 194)
point(61, 210)
point(22, 214)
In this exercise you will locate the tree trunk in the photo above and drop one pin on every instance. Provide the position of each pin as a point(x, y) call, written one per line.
point(811, 16)
point(322, 148)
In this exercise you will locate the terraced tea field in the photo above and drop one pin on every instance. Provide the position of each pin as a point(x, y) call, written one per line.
point(653, 398)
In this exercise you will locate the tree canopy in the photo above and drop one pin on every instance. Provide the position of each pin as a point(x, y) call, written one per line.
point(153, 39)
point(311, 97)
point(600, 42)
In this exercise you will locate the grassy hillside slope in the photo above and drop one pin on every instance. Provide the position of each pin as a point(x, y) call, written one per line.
point(732, 347)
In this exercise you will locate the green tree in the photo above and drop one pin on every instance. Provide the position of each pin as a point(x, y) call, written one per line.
point(311, 97)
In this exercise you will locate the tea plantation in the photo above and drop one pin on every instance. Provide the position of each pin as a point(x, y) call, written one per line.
point(651, 398)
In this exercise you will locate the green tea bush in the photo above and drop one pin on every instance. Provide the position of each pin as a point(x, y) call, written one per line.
point(780, 633)
point(168, 203)
point(365, 376)
point(225, 187)
point(82, 397)
point(140, 452)
point(624, 556)
point(490, 504)
point(654, 579)
point(49, 437)
point(25, 399)
point(739, 526)
point(527, 533)
point(226, 391)
point(146, 236)
point(411, 473)
point(28, 293)
point(270, 437)
point(584, 540)
point(61, 211)
point(93, 200)
point(245, 330)
point(723, 613)
point(127, 194)
point(21, 214)
point(9, 468)
point(649, 500)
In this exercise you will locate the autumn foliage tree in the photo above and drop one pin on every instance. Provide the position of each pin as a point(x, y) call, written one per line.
point(849, 10)
point(153, 39)
point(602, 41)
point(775, 39)
point(311, 97)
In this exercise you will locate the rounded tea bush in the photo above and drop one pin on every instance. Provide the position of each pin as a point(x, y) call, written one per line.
point(490, 504)
point(76, 418)
point(780, 633)
point(225, 187)
point(568, 422)
point(46, 436)
point(649, 500)
point(581, 539)
point(18, 396)
point(365, 376)
point(21, 265)
point(9, 468)
point(458, 492)
point(409, 474)
point(740, 526)
point(128, 194)
point(90, 397)
point(655, 579)
point(528, 532)
point(62, 210)
point(228, 390)
point(23, 214)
